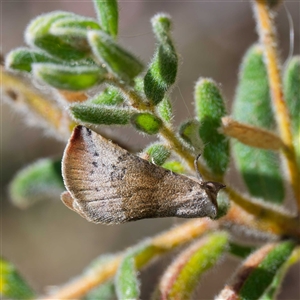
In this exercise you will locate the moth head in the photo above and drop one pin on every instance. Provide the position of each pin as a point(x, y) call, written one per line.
point(212, 189)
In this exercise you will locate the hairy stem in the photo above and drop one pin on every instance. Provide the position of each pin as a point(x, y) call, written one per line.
point(268, 39)
point(166, 241)
point(285, 224)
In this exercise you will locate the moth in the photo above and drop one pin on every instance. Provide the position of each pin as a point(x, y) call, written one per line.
point(107, 184)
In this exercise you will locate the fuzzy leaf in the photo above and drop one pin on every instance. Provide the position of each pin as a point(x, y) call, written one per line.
point(292, 95)
point(76, 22)
point(292, 91)
point(240, 250)
point(110, 96)
point(146, 122)
point(260, 168)
point(189, 132)
point(163, 68)
point(105, 291)
point(37, 35)
point(223, 205)
point(69, 78)
point(262, 276)
point(100, 114)
point(22, 58)
point(126, 280)
point(38, 181)
point(107, 12)
point(210, 108)
point(182, 276)
point(116, 59)
point(74, 30)
point(157, 153)
point(174, 166)
point(12, 285)
point(251, 135)
point(164, 109)
point(127, 283)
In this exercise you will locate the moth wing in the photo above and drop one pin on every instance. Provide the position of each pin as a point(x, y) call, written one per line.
point(68, 201)
point(110, 185)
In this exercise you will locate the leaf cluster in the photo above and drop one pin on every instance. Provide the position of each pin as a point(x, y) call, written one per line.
point(74, 54)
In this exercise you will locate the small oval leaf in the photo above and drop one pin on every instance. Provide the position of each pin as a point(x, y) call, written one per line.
point(22, 58)
point(75, 78)
point(12, 285)
point(174, 166)
point(163, 68)
point(116, 59)
point(100, 114)
point(108, 15)
point(157, 153)
point(182, 276)
point(262, 276)
point(146, 122)
point(38, 181)
point(37, 35)
point(110, 96)
point(210, 108)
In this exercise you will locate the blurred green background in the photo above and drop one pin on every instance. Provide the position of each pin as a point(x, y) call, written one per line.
point(48, 242)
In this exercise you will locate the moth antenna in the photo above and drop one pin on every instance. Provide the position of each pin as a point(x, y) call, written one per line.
point(196, 168)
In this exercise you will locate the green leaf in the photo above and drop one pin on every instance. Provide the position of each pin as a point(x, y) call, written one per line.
point(105, 291)
point(38, 181)
point(223, 205)
point(100, 114)
point(146, 122)
point(240, 250)
point(22, 58)
point(75, 78)
point(74, 30)
point(107, 12)
point(292, 91)
point(37, 35)
point(127, 284)
point(182, 276)
point(189, 132)
point(76, 22)
point(292, 95)
point(110, 96)
point(157, 153)
point(262, 276)
point(210, 108)
point(164, 109)
point(174, 166)
point(163, 68)
point(116, 59)
point(275, 286)
point(12, 285)
point(260, 168)
point(126, 280)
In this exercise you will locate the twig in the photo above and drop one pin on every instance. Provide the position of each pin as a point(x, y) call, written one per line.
point(166, 241)
point(268, 39)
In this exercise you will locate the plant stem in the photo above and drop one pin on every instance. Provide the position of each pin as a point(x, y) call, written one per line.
point(282, 223)
point(268, 39)
point(240, 216)
point(167, 241)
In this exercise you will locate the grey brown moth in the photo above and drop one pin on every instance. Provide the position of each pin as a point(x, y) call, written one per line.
point(106, 184)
